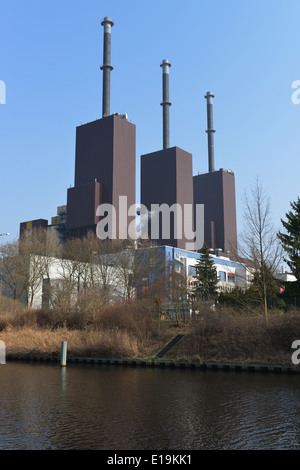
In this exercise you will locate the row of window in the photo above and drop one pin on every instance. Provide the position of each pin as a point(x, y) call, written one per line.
point(222, 276)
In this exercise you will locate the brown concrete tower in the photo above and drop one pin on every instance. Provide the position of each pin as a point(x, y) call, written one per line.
point(216, 190)
point(167, 178)
point(104, 162)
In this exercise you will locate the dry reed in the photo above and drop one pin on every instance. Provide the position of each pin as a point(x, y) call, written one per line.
point(27, 341)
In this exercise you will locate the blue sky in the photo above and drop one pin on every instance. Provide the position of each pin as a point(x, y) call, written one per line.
point(246, 52)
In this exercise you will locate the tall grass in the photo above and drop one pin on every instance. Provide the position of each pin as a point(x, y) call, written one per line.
point(121, 329)
point(132, 329)
point(26, 341)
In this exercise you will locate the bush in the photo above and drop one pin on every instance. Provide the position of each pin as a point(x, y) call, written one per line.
point(135, 317)
point(8, 305)
point(249, 299)
point(237, 337)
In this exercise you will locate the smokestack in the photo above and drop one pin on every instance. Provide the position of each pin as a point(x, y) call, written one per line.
point(106, 67)
point(210, 131)
point(166, 103)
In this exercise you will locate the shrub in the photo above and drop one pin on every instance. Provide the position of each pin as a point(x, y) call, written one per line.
point(233, 336)
point(8, 305)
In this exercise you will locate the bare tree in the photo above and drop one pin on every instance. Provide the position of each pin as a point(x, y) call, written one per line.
point(73, 274)
point(139, 265)
point(87, 276)
point(24, 265)
point(258, 243)
point(14, 270)
point(177, 295)
point(104, 266)
point(36, 252)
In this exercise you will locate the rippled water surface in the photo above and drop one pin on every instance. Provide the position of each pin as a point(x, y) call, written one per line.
point(99, 407)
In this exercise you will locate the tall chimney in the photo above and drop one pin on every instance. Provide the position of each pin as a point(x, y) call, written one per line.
point(166, 103)
point(210, 131)
point(106, 67)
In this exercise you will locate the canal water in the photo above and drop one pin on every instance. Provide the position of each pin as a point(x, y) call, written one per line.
point(124, 408)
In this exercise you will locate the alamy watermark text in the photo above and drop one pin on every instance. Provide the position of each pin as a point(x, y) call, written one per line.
point(2, 92)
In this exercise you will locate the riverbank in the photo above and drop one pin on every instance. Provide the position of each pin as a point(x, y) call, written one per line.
point(160, 363)
point(240, 338)
point(227, 338)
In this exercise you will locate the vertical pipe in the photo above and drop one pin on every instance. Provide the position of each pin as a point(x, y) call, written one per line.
point(63, 354)
point(106, 67)
point(210, 131)
point(165, 103)
point(212, 234)
point(2, 353)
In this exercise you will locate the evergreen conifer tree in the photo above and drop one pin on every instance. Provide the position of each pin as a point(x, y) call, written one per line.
point(291, 239)
point(206, 276)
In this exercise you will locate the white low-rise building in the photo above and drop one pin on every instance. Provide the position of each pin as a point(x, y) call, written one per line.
point(229, 273)
point(50, 277)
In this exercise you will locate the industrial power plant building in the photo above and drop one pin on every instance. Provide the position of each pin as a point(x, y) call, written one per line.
point(105, 172)
point(57, 275)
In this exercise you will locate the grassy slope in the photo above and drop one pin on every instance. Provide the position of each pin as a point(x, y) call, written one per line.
point(220, 336)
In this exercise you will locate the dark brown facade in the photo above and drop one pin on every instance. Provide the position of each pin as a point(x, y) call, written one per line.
point(82, 205)
point(27, 227)
point(104, 170)
point(167, 178)
point(216, 190)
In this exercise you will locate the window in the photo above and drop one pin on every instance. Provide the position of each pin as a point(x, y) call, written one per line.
point(222, 276)
point(231, 277)
point(192, 271)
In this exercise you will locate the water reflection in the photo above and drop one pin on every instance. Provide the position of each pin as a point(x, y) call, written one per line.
point(91, 407)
